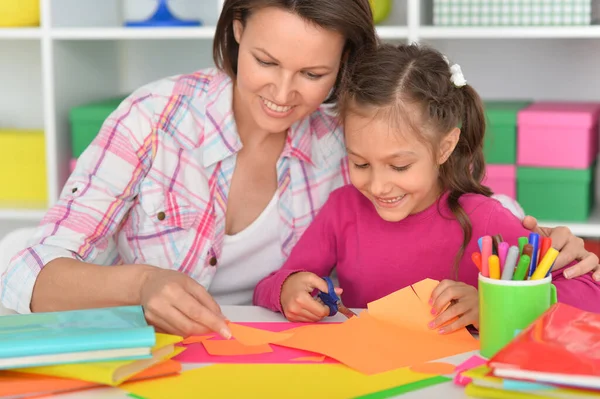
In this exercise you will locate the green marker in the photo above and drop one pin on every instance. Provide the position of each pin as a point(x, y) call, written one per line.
point(522, 242)
point(522, 268)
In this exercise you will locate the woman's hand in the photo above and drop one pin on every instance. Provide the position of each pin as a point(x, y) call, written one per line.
point(296, 300)
point(176, 304)
point(455, 304)
point(571, 249)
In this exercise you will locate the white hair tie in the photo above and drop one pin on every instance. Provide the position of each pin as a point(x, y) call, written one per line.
point(457, 77)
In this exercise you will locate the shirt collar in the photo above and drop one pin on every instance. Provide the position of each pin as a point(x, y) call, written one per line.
point(221, 138)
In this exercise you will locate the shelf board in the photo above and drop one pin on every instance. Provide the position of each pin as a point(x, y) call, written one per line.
point(392, 32)
point(591, 228)
point(510, 32)
point(22, 214)
point(20, 33)
point(123, 33)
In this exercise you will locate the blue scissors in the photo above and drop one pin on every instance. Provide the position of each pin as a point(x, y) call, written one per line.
point(332, 301)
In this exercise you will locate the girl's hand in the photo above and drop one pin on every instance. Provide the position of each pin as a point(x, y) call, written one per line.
point(296, 300)
point(455, 304)
point(571, 249)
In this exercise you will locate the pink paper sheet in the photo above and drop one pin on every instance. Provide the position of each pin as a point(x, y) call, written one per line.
point(195, 353)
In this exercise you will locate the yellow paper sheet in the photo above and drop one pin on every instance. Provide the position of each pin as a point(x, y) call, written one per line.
point(330, 381)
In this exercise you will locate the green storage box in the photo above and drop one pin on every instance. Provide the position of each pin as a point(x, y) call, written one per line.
point(556, 194)
point(500, 142)
point(86, 121)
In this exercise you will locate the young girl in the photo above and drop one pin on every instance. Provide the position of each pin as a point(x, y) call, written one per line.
point(414, 135)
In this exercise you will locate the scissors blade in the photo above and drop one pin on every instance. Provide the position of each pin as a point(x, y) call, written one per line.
point(345, 311)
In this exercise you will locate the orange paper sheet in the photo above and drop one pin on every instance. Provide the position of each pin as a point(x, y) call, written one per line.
point(253, 336)
point(196, 338)
point(232, 348)
point(393, 333)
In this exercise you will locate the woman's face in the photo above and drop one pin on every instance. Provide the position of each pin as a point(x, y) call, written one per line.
point(286, 67)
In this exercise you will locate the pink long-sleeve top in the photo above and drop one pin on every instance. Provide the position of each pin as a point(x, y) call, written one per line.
point(374, 258)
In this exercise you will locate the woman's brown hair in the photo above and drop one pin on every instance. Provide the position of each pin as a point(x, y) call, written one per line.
point(351, 18)
point(389, 78)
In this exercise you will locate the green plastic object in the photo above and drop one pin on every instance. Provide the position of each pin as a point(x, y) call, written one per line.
point(86, 121)
point(507, 306)
point(381, 9)
point(556, 194)
point(500, 141)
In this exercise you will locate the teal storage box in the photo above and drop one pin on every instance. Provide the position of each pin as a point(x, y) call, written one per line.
point(86, 121)
point(565, 195)
point(500, 141)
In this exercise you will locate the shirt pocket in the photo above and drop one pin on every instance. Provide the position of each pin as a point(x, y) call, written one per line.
point(168, 208)
point(160, 228)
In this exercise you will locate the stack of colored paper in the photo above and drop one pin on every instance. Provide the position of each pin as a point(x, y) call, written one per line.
point(558, 355)
point(55, 352)
point(37, 339)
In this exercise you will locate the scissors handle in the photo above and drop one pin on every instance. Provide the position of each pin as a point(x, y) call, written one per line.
point(330, 298)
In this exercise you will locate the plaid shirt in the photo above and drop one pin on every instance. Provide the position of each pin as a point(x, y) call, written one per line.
point(152, 187)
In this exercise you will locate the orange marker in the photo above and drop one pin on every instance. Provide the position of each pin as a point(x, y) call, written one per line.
point(494, 264)
point(476, 258)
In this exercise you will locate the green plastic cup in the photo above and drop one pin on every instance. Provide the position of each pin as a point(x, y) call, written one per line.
point(507, 306)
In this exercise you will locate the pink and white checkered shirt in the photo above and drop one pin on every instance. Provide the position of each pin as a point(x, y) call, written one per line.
point(152, 187)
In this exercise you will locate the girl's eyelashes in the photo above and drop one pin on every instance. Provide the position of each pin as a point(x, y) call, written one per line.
point(360, 166)
point(401, 168)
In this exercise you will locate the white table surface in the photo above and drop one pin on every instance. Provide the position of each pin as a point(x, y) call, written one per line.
point(256, 314)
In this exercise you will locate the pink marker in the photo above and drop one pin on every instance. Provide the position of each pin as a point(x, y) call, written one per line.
point(502, 253)
point(486, 252)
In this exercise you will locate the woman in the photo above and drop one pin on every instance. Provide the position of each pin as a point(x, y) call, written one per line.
point(200, 185)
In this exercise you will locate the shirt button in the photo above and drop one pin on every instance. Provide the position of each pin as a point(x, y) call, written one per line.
point(74, 190)
point(161, 216)
point(212, 261)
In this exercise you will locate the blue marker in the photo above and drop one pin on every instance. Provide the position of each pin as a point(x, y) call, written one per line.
point(534, 240)
point(480, 243)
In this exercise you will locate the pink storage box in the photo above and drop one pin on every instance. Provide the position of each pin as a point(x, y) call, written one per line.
point(502, 179)
point(558, 135)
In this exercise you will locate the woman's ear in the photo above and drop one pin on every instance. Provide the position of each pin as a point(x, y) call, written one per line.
point(238, 29)
point(448, 145)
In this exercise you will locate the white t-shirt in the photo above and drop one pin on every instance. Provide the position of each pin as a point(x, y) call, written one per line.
point(247, 257)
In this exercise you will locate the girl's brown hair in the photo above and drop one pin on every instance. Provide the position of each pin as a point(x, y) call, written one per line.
point(389, 78)
point(351, 18)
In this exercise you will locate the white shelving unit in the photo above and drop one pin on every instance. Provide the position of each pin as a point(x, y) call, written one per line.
point(81, 53)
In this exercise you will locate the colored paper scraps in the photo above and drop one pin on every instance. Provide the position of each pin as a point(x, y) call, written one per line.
point(470, 363)
point(330, 381)
point(252, 336)
point(197, 353)
point(435, 368)
point(392, 334)
point(194, 339)
point(234, 348)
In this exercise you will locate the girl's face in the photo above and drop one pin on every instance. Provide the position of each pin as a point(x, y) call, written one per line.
point(391, 167)
point(286, 67)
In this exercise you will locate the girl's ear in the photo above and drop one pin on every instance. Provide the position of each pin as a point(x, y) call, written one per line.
point(238, 29)
point(448, 145)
